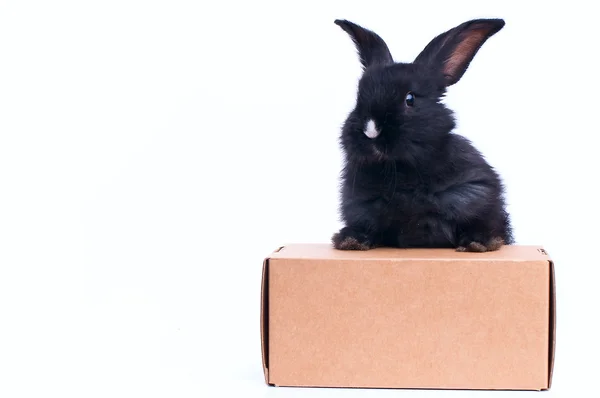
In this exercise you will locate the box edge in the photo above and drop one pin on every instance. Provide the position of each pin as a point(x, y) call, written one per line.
point(263, 320)
point(264, 316)
point(552, 323)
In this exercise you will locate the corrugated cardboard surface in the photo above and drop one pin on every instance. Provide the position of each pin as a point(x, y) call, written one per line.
point(417, 318)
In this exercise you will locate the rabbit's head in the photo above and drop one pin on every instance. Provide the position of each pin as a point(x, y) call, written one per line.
point(398, 113)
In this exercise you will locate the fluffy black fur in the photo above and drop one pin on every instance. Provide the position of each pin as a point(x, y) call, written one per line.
point(417, 184)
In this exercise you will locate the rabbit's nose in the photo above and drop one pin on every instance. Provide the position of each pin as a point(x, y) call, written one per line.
point(371, 130)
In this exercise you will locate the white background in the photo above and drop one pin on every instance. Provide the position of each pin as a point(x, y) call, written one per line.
point(153, 152)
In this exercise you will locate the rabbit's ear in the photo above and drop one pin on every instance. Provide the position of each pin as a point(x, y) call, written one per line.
point(371, 48)
point(451, 52)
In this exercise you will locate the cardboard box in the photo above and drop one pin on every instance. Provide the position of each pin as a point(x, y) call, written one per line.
point(408, 318)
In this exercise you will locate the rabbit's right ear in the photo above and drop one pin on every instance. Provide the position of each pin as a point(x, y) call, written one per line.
point(371, 48)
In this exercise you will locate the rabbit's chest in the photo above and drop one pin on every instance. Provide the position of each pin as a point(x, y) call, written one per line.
point(404, 199)
point(403, 191)
point(394, 195)
point(407, 204)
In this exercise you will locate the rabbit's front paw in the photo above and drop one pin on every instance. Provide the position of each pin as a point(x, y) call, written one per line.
point(490, 245)
point(349, 239)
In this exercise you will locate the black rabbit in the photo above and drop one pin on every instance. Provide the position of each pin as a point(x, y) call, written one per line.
point(408, 180)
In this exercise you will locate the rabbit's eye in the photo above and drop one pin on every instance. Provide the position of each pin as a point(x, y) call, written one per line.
point(410, 99)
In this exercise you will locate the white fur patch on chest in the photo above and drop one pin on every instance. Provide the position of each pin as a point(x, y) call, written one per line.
point(371, 130)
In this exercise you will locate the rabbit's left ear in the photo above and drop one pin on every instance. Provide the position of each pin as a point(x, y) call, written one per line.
point(371, 48)
point(451, 52)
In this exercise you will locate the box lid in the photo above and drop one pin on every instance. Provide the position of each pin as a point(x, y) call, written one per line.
point(327, 252)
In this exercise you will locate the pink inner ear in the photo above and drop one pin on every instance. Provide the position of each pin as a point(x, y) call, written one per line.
point(464, 51)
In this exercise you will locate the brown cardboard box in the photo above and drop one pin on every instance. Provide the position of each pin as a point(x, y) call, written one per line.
point(408, 318)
